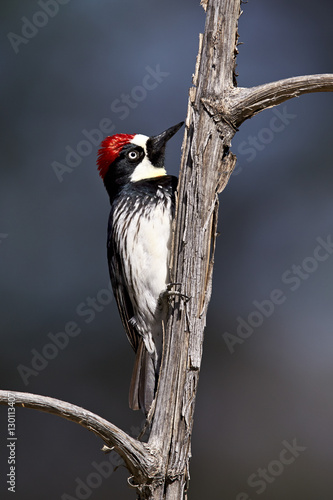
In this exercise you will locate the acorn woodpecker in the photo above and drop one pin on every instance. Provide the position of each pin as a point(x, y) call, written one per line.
point(142, 198)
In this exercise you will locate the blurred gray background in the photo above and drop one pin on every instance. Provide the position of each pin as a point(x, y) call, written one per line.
point(72, 74)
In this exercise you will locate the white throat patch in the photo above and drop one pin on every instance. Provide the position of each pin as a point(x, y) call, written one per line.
point(145, 170)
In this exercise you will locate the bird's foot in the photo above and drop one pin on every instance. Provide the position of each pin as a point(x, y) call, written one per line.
point(170, 293)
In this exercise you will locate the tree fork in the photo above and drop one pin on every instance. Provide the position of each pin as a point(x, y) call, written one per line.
point(217, 107)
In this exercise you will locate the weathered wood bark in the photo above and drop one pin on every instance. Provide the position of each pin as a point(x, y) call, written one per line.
point(160, 467)
point(205, 169)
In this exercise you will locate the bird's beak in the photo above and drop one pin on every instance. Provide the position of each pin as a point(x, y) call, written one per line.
point(156, 145)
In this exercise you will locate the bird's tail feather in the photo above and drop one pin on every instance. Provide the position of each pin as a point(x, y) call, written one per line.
point(143, 382)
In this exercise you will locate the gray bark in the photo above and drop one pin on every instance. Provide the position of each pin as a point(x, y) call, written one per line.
point(160, 468)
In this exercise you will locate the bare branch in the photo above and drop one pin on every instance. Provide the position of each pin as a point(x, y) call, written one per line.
point(139, 458)
point(246, 102)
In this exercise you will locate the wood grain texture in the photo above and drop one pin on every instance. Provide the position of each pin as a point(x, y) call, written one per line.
point(205, 169)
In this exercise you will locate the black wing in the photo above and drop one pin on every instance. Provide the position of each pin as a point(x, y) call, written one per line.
point(119, 289)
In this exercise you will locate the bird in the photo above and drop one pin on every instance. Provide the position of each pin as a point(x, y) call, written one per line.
point(142, 199)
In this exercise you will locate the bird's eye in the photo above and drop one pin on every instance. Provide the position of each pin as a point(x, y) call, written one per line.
point(133, 155)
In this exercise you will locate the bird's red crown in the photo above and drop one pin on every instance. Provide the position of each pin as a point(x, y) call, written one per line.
point(109, 150)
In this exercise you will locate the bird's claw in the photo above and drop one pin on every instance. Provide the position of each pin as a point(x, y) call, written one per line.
point(169, 293)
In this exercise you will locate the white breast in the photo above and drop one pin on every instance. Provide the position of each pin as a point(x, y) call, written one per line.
point(147, 241)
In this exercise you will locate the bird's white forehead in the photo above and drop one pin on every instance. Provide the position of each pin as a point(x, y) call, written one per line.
point(140, 140)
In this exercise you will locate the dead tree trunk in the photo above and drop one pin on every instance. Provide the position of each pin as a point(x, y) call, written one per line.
point(160, 468)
